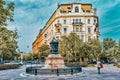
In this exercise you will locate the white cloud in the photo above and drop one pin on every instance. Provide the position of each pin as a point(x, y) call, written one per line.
point(109, 29)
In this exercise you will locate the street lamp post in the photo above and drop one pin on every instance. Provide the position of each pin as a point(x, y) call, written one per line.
point(21, 56)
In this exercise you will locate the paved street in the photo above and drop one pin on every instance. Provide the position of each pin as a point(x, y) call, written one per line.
point(108, 73)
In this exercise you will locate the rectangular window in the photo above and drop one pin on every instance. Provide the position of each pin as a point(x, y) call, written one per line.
point(73, 21)
point(88, 11)
point(58, 21)
point(76, 9)
point(88, 21)
point(79, 20)
point(89, 38)
point(77, 29)
point(64, 12)
point(76, 21)
point(69, 11)
point(89, 30)
point(64, 21)
point(58, 30)
point(61, 11)
point(82, 37)
point(65, 30)
point(97, 37)
point(94, 21)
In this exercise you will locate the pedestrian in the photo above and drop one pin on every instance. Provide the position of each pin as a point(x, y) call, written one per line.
point(98, 67)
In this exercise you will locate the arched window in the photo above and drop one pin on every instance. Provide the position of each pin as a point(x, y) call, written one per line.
point(76, 9)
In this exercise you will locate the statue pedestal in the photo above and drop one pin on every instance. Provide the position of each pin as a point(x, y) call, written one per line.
point(54, 61)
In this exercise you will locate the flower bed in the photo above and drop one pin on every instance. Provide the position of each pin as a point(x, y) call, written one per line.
point(8, 66)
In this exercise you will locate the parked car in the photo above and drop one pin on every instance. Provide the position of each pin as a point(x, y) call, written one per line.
point(91, 62)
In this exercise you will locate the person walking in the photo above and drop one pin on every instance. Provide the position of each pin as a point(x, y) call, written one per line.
point(99, 66)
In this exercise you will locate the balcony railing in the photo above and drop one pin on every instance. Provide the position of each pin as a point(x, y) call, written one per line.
point(57, 33)
point(78, 32)
point(97, 32)
point(77, 23)
point(58, 24)
point(96, 24)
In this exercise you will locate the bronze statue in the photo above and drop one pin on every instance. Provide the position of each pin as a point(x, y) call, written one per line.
point(54, 46)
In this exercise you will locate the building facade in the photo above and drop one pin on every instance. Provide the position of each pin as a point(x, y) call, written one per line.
point(79, 18)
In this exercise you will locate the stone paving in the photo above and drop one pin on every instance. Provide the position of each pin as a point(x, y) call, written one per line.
point(109, 72)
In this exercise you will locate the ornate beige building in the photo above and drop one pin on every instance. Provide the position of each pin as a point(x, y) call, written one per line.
point(73, 17)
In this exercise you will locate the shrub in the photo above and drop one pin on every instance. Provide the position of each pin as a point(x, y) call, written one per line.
point(116, 64)
point(91, 65)
point(73, 64)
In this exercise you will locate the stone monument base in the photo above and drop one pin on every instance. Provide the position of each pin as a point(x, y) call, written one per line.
point(54, 61)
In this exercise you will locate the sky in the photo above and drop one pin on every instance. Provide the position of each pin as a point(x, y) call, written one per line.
point(31, 15)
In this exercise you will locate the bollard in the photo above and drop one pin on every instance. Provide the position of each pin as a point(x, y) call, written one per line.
point(71, 71)
point(98, 70)
point(35, 71)
point(57, 72)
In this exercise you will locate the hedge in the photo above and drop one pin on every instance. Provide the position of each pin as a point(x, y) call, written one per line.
point(8, 66)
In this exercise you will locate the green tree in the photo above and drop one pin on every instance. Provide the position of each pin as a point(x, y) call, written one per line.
point(111, 49)
point(69, 47)
point(6, 12)
point(8, 43)
point(108, 43)
point(95, 48)
point(119, 45)
point(86, 50)
point(113, 53)
point(44, 51)
point(29, 57)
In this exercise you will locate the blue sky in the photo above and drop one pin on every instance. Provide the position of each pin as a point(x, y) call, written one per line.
point(31, 15)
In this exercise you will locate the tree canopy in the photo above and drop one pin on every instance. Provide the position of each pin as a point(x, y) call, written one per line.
point(8, 38)
point(6, 12)
point(69, 46)
point(8, 43)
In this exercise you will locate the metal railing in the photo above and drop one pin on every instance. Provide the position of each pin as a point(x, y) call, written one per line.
point(56, 71)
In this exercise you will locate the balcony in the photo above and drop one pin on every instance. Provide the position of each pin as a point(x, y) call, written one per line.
point(58, 33)
point(97, 33)
point(58, 24)
point(79, 32)
point(96, 24)
point(77, 23)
